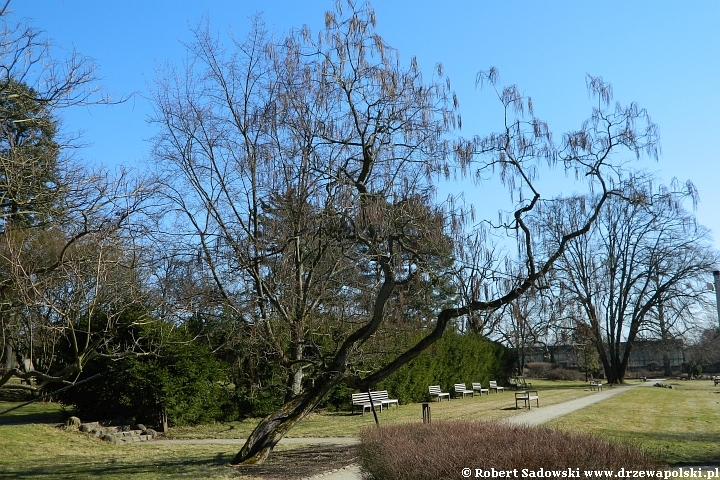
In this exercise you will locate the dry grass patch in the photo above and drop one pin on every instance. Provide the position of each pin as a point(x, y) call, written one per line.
point(443, 449)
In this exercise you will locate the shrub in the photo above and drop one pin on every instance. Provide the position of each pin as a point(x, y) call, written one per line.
point(455, 358)
point(441, 450)
point(538, 369)
point(182, 376)
point(564, 374)
point(552, 371)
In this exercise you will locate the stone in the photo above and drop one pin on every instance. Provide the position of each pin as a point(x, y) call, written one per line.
point(86, 428)
point(73, 422)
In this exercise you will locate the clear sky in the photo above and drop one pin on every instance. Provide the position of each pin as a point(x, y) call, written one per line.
point(663, 55)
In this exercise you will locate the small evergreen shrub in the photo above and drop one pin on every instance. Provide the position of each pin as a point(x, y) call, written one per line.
point(552, 371)
point(564, 374)
point(441, 450)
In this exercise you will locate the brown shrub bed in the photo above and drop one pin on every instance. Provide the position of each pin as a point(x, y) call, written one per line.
point(444, 449)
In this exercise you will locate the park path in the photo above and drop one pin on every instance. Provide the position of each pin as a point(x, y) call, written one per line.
point(541, 415)
point(535, 416)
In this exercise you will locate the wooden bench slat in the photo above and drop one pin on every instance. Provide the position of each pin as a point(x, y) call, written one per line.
point(461, 389)
point(435, 391)
point(479, 388)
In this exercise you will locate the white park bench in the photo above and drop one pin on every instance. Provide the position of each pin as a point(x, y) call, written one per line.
point(494, 386)
point(383, 399)
point(362, 400)
point(479, 388)
point(436, 392)
point(461, 390)
point(527, 397)
point(595, 385)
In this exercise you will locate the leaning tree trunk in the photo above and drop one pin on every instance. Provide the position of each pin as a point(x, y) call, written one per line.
point(274, 427)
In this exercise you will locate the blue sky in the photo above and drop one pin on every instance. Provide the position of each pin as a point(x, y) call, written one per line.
point(663, 55)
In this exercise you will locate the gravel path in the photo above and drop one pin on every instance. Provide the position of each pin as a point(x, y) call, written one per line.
point(241, 441)
point(541, 415)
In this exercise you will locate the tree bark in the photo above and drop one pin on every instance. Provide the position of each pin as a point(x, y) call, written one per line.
point(272, 428)
point(9, 361)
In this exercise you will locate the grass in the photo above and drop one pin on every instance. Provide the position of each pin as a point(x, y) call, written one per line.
point(680, 425)
point(343, 424)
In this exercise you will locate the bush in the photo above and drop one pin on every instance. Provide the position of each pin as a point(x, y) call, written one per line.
point(443, 449)
point(455, 358)
point(182, 376)
point(564, 374)
point(552, 371)
point(538, 369)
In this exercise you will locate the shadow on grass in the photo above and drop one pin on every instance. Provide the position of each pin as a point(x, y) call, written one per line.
point(341, 413)
point(33, 413)
point(111, 468)
point(290, 464)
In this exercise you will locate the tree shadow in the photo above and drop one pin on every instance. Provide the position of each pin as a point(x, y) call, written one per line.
point(113, 468)
point(291, 464)
point(32, 413)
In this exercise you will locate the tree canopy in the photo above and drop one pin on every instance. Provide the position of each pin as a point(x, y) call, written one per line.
point(301, 176)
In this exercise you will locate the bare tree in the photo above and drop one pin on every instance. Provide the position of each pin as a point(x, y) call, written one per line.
point(525, 323)
point(69, 280)
point(302, 174)
point(63, 228)
point(639, 271)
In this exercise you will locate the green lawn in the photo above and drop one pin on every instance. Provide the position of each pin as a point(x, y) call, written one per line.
point(680, 425)
point(329, 424)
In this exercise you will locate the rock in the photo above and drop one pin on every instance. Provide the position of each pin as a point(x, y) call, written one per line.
point(89, 426)
point(140, 426)
point(73, 422)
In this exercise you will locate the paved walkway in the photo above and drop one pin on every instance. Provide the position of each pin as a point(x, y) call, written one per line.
point(541, 415)
point(241, 441)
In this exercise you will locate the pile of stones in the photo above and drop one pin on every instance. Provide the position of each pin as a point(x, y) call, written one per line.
point(113, 433)
point(662, 385)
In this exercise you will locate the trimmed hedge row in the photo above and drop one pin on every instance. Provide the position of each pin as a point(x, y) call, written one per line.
point(455, 358)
